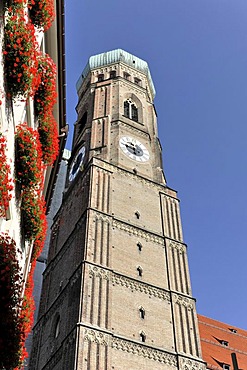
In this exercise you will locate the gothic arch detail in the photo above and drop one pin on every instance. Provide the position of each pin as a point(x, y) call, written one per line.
point(134, 105)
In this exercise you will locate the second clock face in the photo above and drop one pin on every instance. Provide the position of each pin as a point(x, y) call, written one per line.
point(134, 149)
point(75, 166)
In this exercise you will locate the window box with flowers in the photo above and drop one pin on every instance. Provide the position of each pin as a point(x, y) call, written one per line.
point(45, 95)
point(20, 55)
point(10, 292)
point(29, 168)
point(6, 184)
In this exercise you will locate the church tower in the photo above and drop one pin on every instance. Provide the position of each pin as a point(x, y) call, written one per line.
point(116, 289)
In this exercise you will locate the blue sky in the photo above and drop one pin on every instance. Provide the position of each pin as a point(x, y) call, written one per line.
point(197, 54)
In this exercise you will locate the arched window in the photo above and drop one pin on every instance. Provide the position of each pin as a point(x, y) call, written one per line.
point(130, 110)
point(139, 246)
point(142, 337)
point(139, 271)
point(137, 214)
point(142, 313)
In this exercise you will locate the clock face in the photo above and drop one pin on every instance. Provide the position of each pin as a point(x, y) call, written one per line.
point(134, 149)
point(77, 162)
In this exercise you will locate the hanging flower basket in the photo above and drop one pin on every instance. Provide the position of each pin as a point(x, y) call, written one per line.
point(10, 291)
point(42, 13)
point(33, 214)
point(20, 56)
point(29, 168)
point(45, 96)
point(6, 184)
point(14, 4)
point(48, 135)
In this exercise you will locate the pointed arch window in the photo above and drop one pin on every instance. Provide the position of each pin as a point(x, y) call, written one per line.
point(130, 110)
point(142, 337)
point(142, 313)
point(139, 246)
point(139, 271)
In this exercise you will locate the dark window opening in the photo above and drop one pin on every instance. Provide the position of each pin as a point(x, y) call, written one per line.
point(139, 270)
point(57, 327)
point(224, 343)
point(142, 337)
point(137, 214)
point(142, 313)
point(126, 75)
point(139, 245)
point(134, 113)
point(113, 74)
point(137, 81)
point(82, 122)
point(100, 78)
point(226, 367)
point(130, 110)
point(126, 109)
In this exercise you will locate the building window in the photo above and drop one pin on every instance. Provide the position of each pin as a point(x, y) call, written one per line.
point(113, 74)
point(139, 246)
point(82, 122)
point(126, 76)
point(233, 330)
point(137, 81)
point(142, 313)
point(139, 271)
point(130, 110)
point(226, 367)
point(142, 337)
point(137, 214)
point(57, 327)
point(100, 77)
point(224, 343)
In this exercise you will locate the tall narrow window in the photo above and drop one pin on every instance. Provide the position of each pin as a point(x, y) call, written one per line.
point(137, 214)
point(130, 110)
point(126, 109)
point(82, 122)
point(57, 327)
point(134, 113)
point(139, 246)
point(139, 271)
point(142, 313)
point(142, 337)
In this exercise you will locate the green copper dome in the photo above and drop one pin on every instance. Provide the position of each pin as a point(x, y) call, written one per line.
point(115, 56)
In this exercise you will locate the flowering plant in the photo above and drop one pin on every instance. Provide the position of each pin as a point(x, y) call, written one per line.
point(29, 168)
point(10, 290)
point(14, 4)
point(45, 96)
point(48, 135)
point(42, 13)
point(6, 184)
point(20, 55)
point(33, 213)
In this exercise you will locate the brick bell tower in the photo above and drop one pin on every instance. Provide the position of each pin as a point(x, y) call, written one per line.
point(116, 290)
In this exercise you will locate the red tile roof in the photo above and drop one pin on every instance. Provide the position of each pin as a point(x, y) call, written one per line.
point(214, 352)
